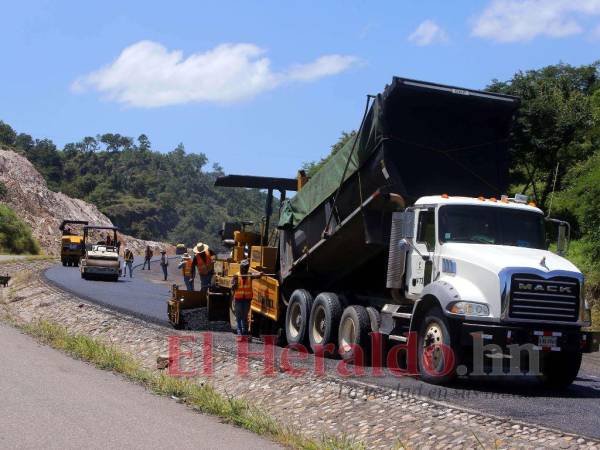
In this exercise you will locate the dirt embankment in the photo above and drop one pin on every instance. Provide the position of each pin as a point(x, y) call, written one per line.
point(44, 210)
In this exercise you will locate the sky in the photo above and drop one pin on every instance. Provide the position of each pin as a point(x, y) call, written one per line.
point(260, 87)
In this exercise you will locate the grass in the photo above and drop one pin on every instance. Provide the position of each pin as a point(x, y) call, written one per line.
point(579, 255)
point(201, 397)
point(27, 258)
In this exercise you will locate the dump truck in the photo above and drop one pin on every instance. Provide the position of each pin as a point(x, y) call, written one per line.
point(407, 231)
point(101, 257)
point(71, 243)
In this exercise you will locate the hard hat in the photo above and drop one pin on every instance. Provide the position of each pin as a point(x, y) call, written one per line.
point(200, 247)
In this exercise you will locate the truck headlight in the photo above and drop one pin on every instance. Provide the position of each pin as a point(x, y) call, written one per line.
point(469, 309)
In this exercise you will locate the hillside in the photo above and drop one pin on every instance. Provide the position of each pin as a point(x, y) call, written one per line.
point(166, 196)
point(42, 209)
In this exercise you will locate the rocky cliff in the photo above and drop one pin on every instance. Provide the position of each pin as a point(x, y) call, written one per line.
point(28, 195)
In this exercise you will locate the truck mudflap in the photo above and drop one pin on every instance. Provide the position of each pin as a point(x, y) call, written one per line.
point(546, 338)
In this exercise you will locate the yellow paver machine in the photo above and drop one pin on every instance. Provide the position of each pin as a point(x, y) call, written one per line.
point(243, 240)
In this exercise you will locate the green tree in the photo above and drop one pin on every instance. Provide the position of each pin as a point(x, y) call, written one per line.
point(7, 134)
point(552, 126)
point(580, 200)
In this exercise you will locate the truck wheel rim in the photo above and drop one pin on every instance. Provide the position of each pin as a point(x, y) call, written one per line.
point(295, 321)
point(348, 334)
point(318, 328)
point(434, 338)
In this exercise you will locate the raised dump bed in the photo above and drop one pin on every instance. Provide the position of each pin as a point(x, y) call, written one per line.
point(416, 139)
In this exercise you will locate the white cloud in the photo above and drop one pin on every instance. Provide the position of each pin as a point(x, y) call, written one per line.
point(523, 20)
point(147, 74)
point(321, 67)
point(427, 33)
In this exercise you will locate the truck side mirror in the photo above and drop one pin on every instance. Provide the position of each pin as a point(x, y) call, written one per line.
point(562, 244)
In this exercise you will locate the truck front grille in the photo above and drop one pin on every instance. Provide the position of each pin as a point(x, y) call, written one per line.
point(535, 298)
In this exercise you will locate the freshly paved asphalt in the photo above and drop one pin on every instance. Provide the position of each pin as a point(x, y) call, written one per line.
point(135, 296)
point(51, 401)
point(576, 410)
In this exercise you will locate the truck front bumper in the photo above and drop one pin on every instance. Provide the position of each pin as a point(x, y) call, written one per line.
point(542, 337)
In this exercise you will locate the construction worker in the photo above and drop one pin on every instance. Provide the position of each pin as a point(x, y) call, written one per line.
point(187, 268)
point(242, 297)
point(164, 263)
point(129, 261)
point(203, 262)
point(147, 257)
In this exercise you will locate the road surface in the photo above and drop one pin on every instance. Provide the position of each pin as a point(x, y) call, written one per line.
point(52, 401)
point(577, 410)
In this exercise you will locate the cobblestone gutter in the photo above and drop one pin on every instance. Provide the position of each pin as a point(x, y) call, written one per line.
point(377, 417)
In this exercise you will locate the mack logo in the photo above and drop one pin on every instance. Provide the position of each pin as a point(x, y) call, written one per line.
point(545, 288)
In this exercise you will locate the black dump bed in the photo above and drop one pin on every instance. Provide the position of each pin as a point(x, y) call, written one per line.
point(417, 139)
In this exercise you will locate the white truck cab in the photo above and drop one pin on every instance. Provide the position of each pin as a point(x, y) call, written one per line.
point(481, 267)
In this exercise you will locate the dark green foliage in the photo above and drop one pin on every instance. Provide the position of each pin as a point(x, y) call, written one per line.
point(7, 134)
point(146, 193)
point(15, 235)
point(553, 125)
point(3, 190)
point(580, 200)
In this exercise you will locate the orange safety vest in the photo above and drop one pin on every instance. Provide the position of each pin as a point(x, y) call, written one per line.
point(244, 288)
point(204, 265)
point(186, 270)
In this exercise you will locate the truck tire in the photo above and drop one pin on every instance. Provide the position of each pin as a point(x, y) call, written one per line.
point(355, 326)
point(297, 316)
point(324, 322)
point(374, 317)
point(559, 370)
point(64, 262)
point(436, 364)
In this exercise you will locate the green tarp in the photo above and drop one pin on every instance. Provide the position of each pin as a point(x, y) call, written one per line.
point(327, 180)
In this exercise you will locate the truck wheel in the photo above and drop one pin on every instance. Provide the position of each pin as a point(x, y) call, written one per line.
point(435, 352)
point(324, 322)
point(297, 316)
point(559, 370)
point(374, 317)
point(64, 262)
point(355, 326)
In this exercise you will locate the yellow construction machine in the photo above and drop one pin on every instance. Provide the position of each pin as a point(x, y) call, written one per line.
point(243, 240)
point(71, 243)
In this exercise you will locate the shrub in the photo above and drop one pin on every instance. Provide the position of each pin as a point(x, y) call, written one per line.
point(15, 235)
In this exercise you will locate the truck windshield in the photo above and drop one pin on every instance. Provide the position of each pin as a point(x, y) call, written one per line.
point(491, 225)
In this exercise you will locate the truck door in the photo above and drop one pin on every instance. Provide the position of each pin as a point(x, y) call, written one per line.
point(419, 271)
